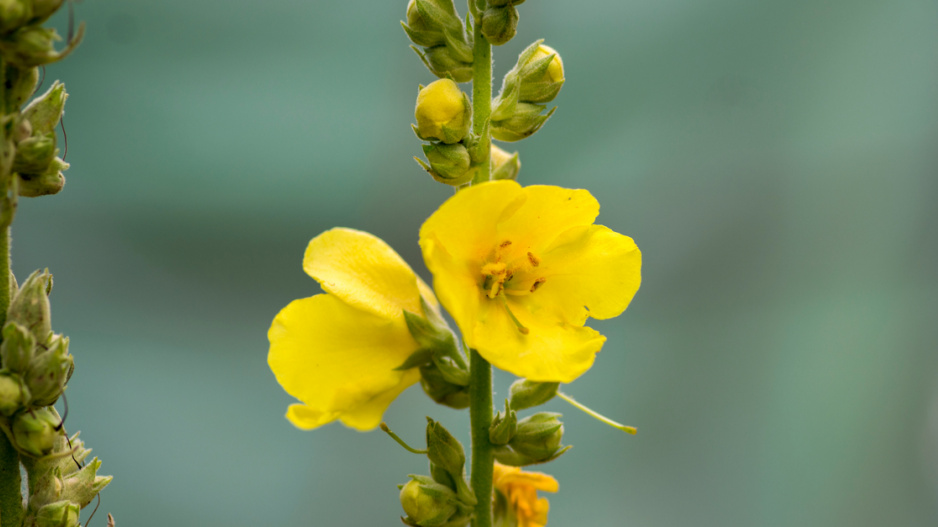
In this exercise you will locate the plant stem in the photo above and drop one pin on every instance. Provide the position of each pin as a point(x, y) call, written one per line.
point(480, 416)
point(481, 94)
point(11, 497)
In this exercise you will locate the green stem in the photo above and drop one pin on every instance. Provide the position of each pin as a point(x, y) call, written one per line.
point(11, 497)
point(480, 416)
point(481, 94)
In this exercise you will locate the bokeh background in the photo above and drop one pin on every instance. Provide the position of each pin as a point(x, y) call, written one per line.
point(775, 161)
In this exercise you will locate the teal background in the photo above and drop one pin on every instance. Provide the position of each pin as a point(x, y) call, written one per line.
point(774, 160)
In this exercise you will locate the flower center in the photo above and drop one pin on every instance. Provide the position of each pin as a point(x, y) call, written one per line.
point(510, 271)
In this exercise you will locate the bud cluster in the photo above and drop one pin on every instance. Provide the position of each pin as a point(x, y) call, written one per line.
point(444, 375)
point(435, 26)
point(534, 439)
point(534, 80)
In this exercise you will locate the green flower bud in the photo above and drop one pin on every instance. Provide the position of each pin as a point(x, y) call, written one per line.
point(35, 45)
point(443, 112)
point(30, 306)
point(505, 165)
point(503, 427)
point(421, 31)
point(449, 164)
point(526, 120)
point(13, 393)
point(538, 436)
point(442, 476)
point(45, 111)
point(58, 514)
point(526, 394)
point(49, 371)
point(443, 62)
point(443, 449)
point(427, 503)
point(442, 391)
point(18, 347)
point(43, 9)
point(21, 83)
point(14, 14)
point(499, 24)
point(35, 154)
point(83, 485)
point(35, 431)
point(45, 184)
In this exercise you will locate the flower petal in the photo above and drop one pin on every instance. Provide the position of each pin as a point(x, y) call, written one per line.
point(364, 271)
point(338, 360)
point(546, 212)
point(551, 351)
point(589, 271)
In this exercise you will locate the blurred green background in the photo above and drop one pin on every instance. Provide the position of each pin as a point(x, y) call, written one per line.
point(775, 161)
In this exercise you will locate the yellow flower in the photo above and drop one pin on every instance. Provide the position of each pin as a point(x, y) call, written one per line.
point(521, 269)
point(336, 352)
point(555, 69)
point(519, 489)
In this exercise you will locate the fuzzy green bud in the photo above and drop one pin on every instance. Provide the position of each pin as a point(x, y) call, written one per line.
point(525, 121)
point(447, 163)
point(505, 165)
point(49, 182)
point(20, 84)
point(427, 503)
point(500, 24)
point(14, 14)
point(443, 449)
point(30, 307)
point(34, 45)
point(422, 31)
point(538, 436)
point(49, 371)
point(442, 391)
point(443, 112)
point(45, 111)
point(34, 432)
point(525, 394)
point(81, 486)
point(503, 427)
point(35, 154)
point(13, 393)
point(18, 347)
point(443, 62)
point(540, 73)
point(58, 514)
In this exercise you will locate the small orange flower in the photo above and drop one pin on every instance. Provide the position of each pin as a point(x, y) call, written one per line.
point(516, 494)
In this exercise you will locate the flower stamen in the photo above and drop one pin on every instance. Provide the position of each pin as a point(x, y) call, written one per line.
point(535, 261)
point(521, 328)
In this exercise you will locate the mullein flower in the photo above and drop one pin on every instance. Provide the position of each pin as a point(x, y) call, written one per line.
point(338, 352)
point(521, 270)
point(516, 501)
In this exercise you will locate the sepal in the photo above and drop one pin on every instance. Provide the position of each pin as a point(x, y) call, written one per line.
point(526, 120)
point(35, 431)
point(504, 425)
point(525, 394)
point(18, 347)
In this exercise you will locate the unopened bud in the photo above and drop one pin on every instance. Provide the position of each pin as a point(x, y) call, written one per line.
point(82, 485)
point(427, 503)
point(500, 24)
point(421, 31)
point(447, 163)
point(503, 427)
point(443, 62)
point(58, 514)
point(18, 347)
point(505, 165)
point(47, 183)
point(539, 436)
point(49, 371)
point(45, 111)
point(541, 74)
point(443, 112)
point(35, 431)
point(34, 154)
point(525, 394)
point(443, 449)
point(526, 120)
point(436, 386)
point(14, 14)
point(13, 393)
point(20, 84)
point(30, 306)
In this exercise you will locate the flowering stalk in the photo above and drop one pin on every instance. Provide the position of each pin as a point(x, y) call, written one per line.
point(481, 89)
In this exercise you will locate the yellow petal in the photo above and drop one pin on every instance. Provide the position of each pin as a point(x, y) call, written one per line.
point(543, 213)
point(551, 351)
point(363, 271)
point(338, 360)
point(589, 271)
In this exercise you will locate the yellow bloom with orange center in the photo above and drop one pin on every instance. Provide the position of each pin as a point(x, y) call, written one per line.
point(337, 352)
point(521, 269)
point(519, 490)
